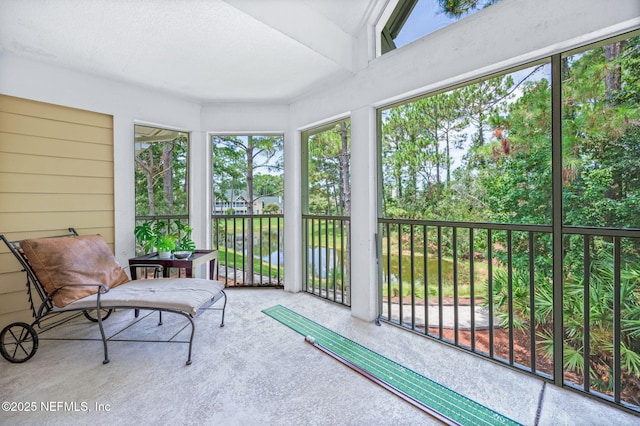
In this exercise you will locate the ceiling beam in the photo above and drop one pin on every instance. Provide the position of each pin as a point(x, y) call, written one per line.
point(306, 26)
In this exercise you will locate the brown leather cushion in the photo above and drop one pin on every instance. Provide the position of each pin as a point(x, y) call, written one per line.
point(85, 259)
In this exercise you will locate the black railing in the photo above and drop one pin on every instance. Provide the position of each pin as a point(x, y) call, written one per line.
point(241, 238)
point(167, 220)
point(489, 289)
point(326, 262)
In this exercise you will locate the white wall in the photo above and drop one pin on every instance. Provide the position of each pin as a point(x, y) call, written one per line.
point(127, 104)
point(510, 33)
point(131, 104)
point(507, 34)
point(244, 117)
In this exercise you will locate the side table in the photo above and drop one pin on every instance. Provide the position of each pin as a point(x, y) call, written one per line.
point(197, 258)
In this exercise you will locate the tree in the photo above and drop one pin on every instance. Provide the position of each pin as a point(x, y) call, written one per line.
point(324, 174)
point(443, 121)
point(506, 177)
point(329, 159)
point(268, 185)
point(601, 129)
point(145, 163)
point(410, 157)
point(244, 156)
point(516, 163)
point(344, 158)
point(481, 100)
point(271, 208)
point(161, 176)
point(330, 180)
point(601, 178)
point(458, 8)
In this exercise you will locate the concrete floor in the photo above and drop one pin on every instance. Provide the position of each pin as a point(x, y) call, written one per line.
point(256, 371)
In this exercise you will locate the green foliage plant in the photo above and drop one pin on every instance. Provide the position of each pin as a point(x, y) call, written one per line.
point(184, 241)
point(601, 315)
point(271, 208)
point(164, 237)
point(148, 234)
point(166, 243)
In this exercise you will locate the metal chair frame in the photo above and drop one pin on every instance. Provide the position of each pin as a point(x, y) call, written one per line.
point(19, 340)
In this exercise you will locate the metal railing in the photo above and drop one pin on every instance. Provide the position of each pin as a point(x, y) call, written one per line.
point(485, 288)
point(326, 262)
point(250, 249)
point(167, 220)
point(489, 289)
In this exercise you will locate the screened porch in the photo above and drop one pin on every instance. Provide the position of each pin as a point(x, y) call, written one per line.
point(464, 202)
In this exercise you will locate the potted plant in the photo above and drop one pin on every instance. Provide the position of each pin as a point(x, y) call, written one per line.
point(161, 237)
point(155, 237)
point(184, 244)
point(165, 244)
point(145, 236)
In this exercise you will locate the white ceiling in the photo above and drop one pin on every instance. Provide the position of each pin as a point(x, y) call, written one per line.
point(206, 50)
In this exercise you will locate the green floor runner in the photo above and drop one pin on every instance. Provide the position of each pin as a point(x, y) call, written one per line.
point(439, 399)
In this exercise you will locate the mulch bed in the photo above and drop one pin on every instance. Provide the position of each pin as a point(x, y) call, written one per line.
point(522, 356)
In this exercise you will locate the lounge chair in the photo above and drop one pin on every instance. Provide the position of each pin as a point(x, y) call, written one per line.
point(78, 273)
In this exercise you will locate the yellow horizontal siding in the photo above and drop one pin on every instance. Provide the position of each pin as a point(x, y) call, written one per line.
point(21, 203)
point(12, 282)
point(108, 233)
point(16, 301)
point(43, 184)
point(56, 171)
point(54, 112)
point(11, 236)
point(8, 263)
point(40, 146)
point(31, 164)
point(52, 130)
point(20, 316)
point(23, 222)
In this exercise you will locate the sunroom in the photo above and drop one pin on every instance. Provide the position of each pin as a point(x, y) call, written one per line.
point(452, 184)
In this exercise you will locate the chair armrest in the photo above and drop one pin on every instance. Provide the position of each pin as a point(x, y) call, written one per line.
point(102, 289)
point(157, 269)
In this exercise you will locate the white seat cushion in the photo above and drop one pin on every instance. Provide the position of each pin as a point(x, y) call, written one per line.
point(177, 294)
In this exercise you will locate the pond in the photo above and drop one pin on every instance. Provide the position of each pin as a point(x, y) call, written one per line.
point(393, 269)
point(325, 262)
point(322, 260)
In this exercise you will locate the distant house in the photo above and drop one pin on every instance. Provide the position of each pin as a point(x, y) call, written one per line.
point(238, 203)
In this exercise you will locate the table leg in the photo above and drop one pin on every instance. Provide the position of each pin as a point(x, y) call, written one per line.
point(212, 267)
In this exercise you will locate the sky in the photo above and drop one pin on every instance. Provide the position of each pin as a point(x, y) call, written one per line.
point(425, 18)
point(457, 154)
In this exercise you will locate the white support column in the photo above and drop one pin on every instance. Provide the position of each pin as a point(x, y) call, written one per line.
point(364, 217)
point(292, 212)
point(199, 193)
